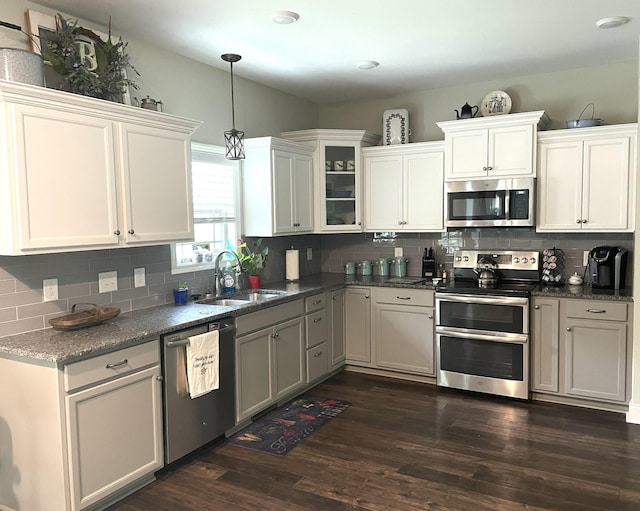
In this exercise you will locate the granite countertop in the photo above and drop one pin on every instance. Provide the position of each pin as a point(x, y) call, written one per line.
point(585, 291)
point(56, 347)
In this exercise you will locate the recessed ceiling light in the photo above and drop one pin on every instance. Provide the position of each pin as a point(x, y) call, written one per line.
point(367, 64)
point(611, 22)
point(284, 17)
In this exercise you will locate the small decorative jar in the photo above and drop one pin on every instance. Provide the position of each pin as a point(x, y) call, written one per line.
point(350, 268)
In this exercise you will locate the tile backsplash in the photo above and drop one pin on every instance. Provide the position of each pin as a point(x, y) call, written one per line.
point(338, 249)
point(22, 308)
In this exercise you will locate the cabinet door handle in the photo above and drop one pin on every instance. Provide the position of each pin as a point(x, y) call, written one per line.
point(317, 320)
point(578, 221)
point(430, 316)
point(366, 296)
point(131, 231)
point(568, 329)
point(536, 307)
point(489, 168)
point(584, 220)
point(276, 335)
point(117, 364)
point(484, 168)
point(597, 311)
point(159, 378)
point(117, 232)
point(319, 354)
point(403, 297)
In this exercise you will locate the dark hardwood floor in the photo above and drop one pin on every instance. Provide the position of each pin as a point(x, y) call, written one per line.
point(411, 446)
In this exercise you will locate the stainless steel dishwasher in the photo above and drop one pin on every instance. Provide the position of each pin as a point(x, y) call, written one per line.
point(191, 423)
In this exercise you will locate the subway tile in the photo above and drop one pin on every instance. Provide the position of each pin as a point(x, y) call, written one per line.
point(21, 326)
point(40, 309)
point(8, 314)
point(7, 286)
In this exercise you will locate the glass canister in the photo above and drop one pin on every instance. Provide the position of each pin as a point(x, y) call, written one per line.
point(400, 266)
point(350, 268)
point(382, 267)
point(366, 267)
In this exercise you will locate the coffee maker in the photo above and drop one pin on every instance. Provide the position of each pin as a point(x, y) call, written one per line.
point(608, 267)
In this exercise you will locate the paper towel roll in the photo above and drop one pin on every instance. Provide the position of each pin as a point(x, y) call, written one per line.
point(292, 265)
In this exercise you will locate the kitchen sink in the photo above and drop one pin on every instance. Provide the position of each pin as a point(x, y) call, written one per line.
point(235, 300)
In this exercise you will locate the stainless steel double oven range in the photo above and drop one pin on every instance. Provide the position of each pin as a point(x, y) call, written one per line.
point(482, 333)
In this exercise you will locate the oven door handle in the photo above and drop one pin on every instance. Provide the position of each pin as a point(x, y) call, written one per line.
point(465, 333)
point(490, 300)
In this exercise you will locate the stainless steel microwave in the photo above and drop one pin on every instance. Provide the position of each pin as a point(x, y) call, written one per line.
point(490, 203)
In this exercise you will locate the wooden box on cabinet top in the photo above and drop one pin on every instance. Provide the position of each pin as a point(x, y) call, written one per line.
point(79, 173)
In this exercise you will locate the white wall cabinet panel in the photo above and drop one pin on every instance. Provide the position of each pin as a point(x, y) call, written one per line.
point(586, 179)
point(545, 344)
point(277, 178)
point(492, 147)
point(78, 173)
point(358, 325)
point(337, 184)
point(404, 187)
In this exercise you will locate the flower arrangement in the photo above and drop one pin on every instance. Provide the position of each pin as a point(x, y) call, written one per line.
point(86, 64)
point(252, 261)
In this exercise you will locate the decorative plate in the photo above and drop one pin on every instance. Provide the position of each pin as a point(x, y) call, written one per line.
point(497, 102)
point(395, 126)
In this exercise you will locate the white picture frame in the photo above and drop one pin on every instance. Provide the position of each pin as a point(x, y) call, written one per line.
point(36, 22)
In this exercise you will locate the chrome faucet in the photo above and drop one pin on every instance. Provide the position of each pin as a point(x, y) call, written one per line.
point(216, 269)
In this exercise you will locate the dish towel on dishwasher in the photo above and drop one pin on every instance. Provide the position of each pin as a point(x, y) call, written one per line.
point(203, 363)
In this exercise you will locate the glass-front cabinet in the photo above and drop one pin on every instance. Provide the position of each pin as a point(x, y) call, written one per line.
point(338, 186)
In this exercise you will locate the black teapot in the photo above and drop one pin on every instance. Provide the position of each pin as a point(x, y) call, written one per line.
point(466, 112)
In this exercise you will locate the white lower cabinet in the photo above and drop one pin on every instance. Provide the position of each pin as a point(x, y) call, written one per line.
point(403, 330)
point(337, 334)
point(270, 357)
point(581, 348)
point(84, 434)
point(316, 328)
point(395, 332)
point(358, 325)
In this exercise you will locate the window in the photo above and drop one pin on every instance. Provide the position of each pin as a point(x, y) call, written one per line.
point(215, 182)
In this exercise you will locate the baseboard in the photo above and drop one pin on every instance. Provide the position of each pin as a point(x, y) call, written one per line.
point(633, 415)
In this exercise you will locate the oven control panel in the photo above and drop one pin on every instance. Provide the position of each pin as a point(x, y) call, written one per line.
point(498, 259)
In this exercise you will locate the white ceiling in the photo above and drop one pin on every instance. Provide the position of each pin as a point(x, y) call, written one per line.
point(420, 44)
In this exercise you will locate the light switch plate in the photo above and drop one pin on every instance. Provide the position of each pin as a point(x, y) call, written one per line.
point(397, 252)
point(108, 281)
point(138, 277)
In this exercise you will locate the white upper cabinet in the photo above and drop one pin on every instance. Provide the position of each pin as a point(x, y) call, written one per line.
point(486, 147)
point(404, 187)
point(338, 177)
point(79, 173)
point(277, 177)
point(586, 179)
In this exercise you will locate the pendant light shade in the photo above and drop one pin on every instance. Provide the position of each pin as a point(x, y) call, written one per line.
point(233, 139)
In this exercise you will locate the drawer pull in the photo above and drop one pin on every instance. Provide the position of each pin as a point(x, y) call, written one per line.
point(568, 329)
point(536, 307)
point(597, 311)
point(317, 320)
point(403, 297)
point(316, 355)
point(118, 364)
point(316, 302)
point(276, 335)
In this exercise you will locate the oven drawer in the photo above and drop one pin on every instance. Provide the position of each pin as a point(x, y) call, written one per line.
point(402, 296)
point(596, 309)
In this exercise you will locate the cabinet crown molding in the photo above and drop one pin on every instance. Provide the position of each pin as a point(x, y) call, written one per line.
point(539, 118)
point(313, 135)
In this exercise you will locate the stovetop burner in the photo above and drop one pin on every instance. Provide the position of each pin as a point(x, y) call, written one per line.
point(518, 272)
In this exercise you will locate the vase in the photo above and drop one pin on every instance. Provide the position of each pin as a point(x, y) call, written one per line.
point(21, 66)
point(180, 296)
point(255, 281)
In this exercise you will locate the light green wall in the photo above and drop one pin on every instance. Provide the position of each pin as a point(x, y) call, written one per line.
point(563, 95)
point(191, 89)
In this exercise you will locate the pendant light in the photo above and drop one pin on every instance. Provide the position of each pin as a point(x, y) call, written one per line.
point(233, 139)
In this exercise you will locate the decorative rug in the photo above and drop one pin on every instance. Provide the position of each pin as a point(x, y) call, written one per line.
point(281, 430)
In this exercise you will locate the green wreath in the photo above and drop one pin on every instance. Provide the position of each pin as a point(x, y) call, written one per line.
point(103, 76)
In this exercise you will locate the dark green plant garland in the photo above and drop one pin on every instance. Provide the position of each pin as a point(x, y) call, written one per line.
point(107, 81)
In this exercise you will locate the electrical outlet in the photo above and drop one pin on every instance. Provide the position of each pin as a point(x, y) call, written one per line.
point(309, 254)
point(585, 258)
point(108, 281)
point(397, 252)
point(138, 277)
point(50, 290)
